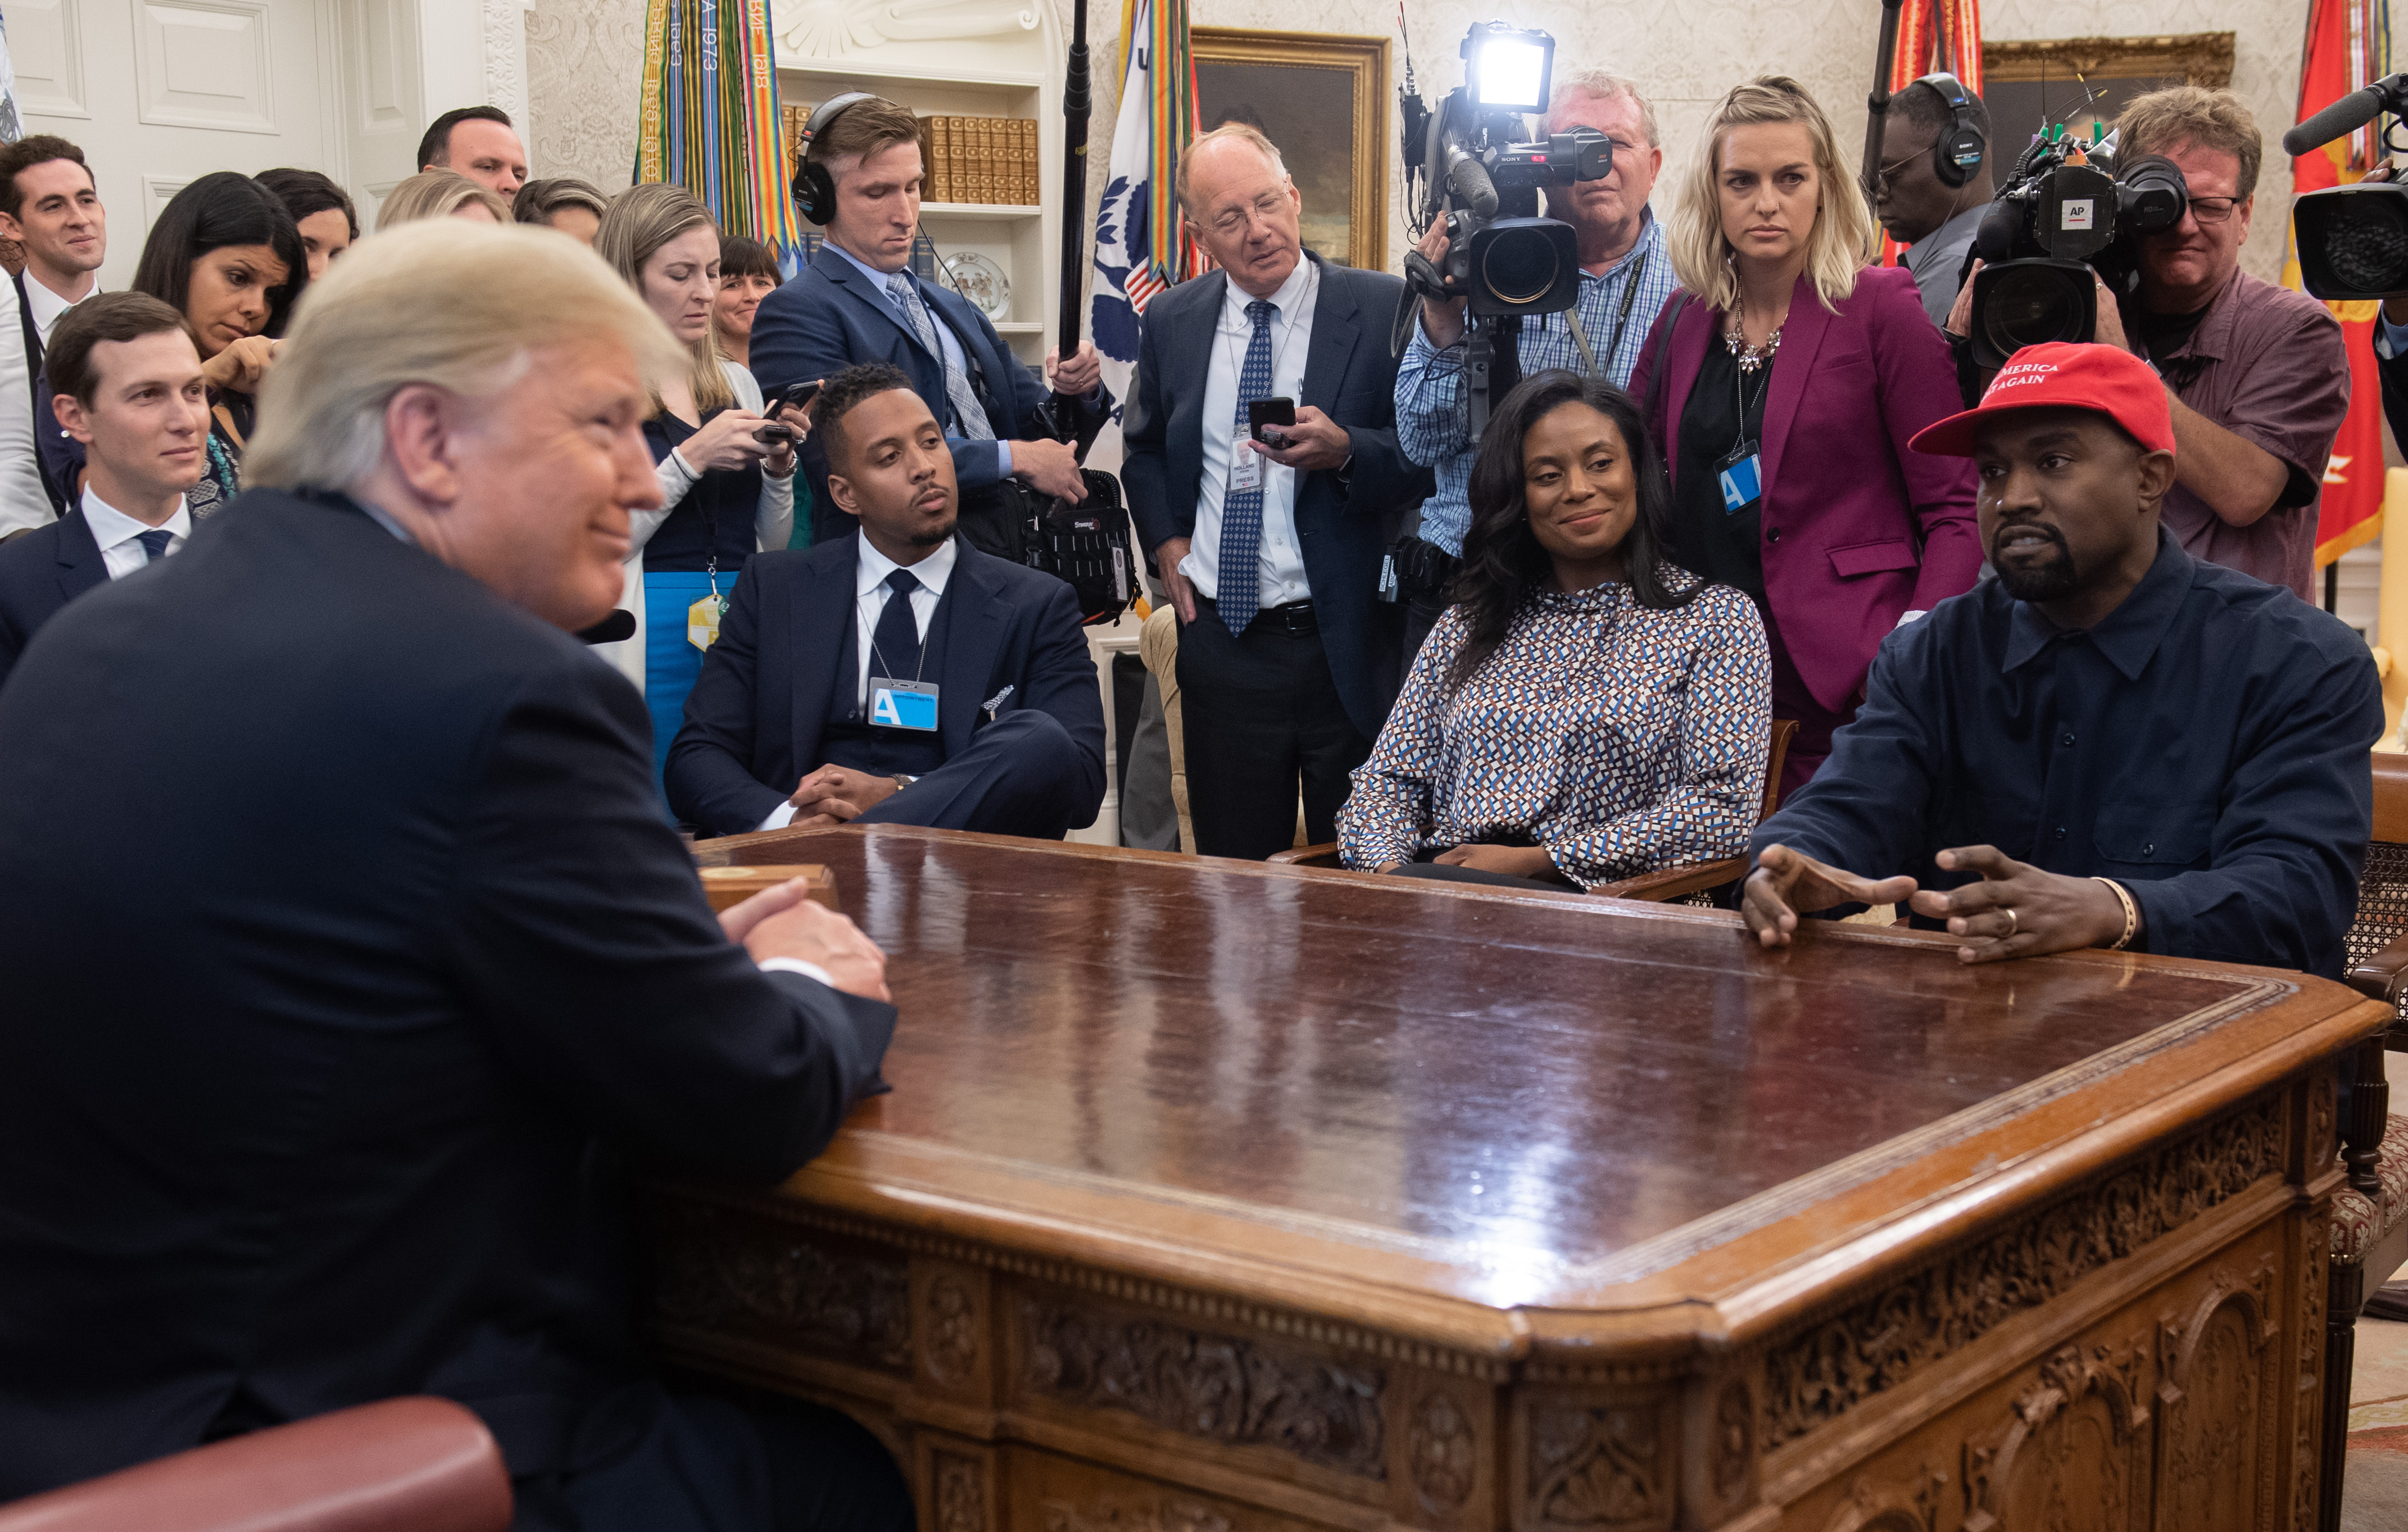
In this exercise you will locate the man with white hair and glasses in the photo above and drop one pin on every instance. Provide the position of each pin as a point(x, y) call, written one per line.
point(1625, 277)
point(350, 961)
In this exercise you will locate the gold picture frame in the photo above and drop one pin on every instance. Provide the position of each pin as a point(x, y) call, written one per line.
point(2198, 58)
point(1332, 131)
point(2083, 81)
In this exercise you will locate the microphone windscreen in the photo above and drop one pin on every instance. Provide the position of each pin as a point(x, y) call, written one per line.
point(2351, 112)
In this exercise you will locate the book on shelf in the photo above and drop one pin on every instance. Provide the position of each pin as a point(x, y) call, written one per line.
point(978, 160)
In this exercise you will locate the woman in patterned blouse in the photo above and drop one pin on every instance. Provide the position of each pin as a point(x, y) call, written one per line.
point(1584, 712)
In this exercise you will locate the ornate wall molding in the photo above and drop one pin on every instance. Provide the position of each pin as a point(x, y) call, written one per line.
point(2202, 57)
point(1233, 1390)
point(505, 29)
point(1817, 1375)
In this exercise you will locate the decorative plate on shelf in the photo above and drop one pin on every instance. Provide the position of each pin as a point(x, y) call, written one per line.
point(981, 281)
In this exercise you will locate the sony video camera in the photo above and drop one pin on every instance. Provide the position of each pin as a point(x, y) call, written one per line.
point(2061, 218)
point(1467, 162)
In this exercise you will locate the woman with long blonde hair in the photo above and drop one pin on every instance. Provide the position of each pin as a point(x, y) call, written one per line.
point(1784, 380)
point(725, 491)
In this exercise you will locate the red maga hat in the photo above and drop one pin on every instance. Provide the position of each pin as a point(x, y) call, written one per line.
point(2064, 376)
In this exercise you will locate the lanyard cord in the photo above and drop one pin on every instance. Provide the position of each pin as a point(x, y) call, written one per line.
point(1278, 353)
point(1739, 391)
point(876, 658)
point(1630, 297)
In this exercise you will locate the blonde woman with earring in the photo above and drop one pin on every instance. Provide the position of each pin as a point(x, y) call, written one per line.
point(727, 484)
point(1784, 380)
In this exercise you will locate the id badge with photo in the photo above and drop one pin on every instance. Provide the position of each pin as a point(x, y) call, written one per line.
point(903, 704)
point(1245, 463)
point(1738, 474)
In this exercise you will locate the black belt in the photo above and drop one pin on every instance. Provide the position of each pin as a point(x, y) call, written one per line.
point(1296, 619)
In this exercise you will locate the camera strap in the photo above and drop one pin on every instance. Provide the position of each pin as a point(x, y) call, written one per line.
point(1621, 322)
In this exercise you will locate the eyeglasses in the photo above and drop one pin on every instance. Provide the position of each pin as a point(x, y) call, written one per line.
point(2212, 210)
point(1266, 208)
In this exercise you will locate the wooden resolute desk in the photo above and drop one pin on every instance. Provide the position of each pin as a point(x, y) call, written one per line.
point(1220, 1197)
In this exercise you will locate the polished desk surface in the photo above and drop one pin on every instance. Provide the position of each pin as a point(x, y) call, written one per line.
point(1460, 1108)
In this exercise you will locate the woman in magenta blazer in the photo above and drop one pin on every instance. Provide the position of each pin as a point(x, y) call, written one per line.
point(1791, 377)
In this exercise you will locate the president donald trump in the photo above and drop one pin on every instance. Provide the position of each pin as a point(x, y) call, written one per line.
point(351, 960)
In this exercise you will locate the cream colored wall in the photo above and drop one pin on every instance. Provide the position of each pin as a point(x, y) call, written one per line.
point(584, 59)
point(584, 64)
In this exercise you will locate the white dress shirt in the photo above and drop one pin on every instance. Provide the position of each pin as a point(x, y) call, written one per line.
point(1281, 562)
point(870, 594)
point(47, 305)
point(116, 532)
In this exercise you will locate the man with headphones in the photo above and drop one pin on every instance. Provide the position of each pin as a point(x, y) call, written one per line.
point(859, 301)
point(1934, 184)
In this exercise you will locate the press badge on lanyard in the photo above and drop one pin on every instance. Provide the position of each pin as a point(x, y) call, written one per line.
point(1738, 474)
point(903, 704)
point(1245, 464)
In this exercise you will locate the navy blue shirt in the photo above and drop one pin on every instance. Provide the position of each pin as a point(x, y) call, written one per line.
point(2205, 745)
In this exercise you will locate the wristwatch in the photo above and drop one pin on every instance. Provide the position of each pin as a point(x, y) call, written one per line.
point(901, 781)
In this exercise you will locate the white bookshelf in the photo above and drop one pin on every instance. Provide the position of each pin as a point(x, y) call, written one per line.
point(1025, 241)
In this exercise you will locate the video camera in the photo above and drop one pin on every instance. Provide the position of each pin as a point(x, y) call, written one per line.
point(2353, 240)
point(2061, 218)
point(1467, 162)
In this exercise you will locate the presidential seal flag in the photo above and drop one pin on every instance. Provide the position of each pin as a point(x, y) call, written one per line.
point(1143, 245)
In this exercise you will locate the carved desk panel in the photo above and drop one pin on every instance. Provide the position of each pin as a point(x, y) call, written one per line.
point(1221, 1197)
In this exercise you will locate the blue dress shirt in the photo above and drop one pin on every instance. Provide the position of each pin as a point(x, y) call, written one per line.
point(945, 338)
point(2205, 745)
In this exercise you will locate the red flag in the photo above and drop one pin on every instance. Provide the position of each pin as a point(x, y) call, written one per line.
point(2348, 40)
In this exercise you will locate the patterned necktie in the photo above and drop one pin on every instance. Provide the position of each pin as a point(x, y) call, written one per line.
point(895, 645)
point(969, 416)
point(155, 543)
point(1241, 511)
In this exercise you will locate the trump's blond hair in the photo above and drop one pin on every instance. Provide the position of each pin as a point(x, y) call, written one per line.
point(457, 305)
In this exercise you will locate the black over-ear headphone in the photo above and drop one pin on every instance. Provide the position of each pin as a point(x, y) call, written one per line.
point(1957, 153)
point(814, 188)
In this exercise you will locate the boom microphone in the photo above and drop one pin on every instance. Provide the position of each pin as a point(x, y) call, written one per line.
point(2347, 115)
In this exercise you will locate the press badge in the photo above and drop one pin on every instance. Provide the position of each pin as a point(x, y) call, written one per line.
point(1245, 463)
point(1736, 472)
point(702, 621)
point(903, 704)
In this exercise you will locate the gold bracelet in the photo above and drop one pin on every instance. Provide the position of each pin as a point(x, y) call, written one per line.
point(2132, 914)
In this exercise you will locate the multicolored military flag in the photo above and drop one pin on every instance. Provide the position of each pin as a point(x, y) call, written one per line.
point(709, 121)
point(2349, 48)
point(1143, 245)
point(1935, 36)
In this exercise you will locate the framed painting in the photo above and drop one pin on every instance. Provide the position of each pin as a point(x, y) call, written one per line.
point(2082, 80)
point(1324, 100)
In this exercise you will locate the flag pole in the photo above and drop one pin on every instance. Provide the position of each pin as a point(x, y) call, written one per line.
point(1078, 105)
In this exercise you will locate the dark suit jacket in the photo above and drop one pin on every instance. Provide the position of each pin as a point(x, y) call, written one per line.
point(41, 571)
point(1866, 530)
point(755, 718)
point(830, 318)
point(322, 1052)
point(1344, 525)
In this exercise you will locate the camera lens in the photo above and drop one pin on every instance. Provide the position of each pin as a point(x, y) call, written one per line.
point(2031, 306)
point(2367, 247)
point(1519, 266)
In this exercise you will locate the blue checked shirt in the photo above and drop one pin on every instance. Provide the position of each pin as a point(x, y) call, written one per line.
point(1433, 419)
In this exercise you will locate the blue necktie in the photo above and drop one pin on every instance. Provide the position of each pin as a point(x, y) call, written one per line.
point(1241, 511)
point(896, 644)
point(969, 416)
point(155, 543)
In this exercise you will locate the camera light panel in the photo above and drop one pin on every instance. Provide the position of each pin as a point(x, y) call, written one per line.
point(1508, 71)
